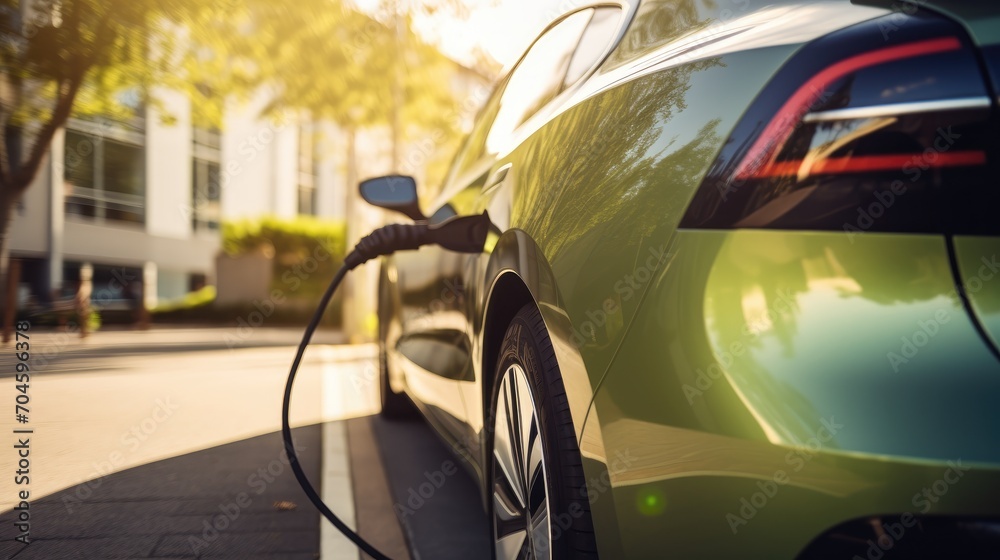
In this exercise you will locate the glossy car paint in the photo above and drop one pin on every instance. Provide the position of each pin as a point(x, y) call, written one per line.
point(793, 379)
point(978, 262)
point(836, 376)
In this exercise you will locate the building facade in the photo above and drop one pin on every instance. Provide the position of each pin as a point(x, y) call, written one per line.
point(140, 201)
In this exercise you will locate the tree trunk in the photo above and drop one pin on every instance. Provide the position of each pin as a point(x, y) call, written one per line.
point(8, 198)
point(16, 176)
point(10, 295)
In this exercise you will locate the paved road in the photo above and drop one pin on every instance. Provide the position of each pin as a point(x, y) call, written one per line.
point(450, 523)
point(142, 441)
point(207, 504)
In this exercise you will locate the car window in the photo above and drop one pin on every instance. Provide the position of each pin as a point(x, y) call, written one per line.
point(537, 78)
point(550, 58)
point(594, 43)
point(473, 149)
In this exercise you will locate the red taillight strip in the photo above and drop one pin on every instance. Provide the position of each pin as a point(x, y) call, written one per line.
point(858, 164)
point(784, 122)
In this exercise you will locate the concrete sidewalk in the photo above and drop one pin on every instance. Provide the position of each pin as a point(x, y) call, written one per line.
point(98, 492)
point(238, 500)
point(170, 338)
point(241, 501)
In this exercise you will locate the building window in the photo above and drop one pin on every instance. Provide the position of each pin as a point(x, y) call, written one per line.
point(308, 170)
point(105, 173)
point(113, 287)
point(206, 190)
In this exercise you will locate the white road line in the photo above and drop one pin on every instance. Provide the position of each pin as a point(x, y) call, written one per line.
point(337, 493)
point(349, 390)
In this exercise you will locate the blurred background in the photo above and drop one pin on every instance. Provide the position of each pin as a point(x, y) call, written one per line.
point(174, 160)
point(178, 183)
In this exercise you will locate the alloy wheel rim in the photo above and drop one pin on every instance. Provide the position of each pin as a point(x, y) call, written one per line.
point(521, 516)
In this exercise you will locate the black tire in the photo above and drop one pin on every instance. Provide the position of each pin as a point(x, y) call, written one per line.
point(527, 345)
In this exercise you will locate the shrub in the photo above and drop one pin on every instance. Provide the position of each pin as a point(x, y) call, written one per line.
point(306, 251)
point(305, 254)
point(197, 298)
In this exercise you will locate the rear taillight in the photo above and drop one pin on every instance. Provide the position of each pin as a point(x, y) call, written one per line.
point(760, 160)
point(860, 131)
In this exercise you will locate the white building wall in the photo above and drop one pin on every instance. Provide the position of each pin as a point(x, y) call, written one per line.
point(330, 193)
point(285, 169)
point(29, 232)
point(246, 162)
point(259, 162)
point(168, 169)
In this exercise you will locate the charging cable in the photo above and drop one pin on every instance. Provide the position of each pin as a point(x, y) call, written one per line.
point(464, 234)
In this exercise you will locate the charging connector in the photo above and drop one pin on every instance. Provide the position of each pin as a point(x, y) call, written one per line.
point(464, 234)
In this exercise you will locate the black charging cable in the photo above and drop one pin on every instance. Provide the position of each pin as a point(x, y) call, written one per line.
point(465, 234)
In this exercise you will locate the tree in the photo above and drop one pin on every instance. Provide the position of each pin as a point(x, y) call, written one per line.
point(355, 69)
point(58, 57)
point(50, 51)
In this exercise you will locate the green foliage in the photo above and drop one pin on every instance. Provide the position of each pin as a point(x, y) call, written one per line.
point(116, 58)
point(293, 314)
point(96, 56)
point(321, 56)
point(306, 251)
point(197, 298)
point(111, 58)
point(93, 321)
point(295, 237)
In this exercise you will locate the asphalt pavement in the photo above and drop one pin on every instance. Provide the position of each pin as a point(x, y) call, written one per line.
point(165, 444)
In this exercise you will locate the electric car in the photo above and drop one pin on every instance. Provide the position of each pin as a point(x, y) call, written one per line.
point(741, 294)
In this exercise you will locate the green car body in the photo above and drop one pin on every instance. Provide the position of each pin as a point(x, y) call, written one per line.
point(736, 392)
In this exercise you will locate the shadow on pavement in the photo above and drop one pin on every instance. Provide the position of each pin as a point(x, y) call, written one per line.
point(230, 502)
point(168, 508)
point(441, 513)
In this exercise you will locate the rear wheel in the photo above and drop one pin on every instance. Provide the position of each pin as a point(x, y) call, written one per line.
point(539, 506)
